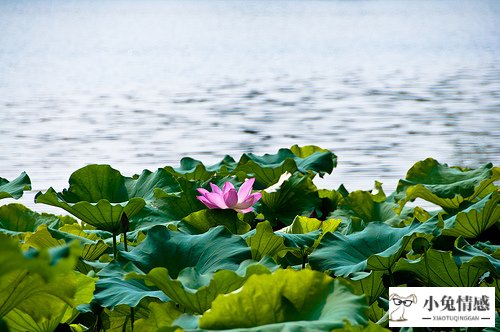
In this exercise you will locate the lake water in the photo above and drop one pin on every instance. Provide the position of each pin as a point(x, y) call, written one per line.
point(140, 84)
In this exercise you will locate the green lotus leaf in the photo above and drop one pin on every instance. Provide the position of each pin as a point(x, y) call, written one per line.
point(214, 250)
point(92, 247)
point(286, 300)
point(296, 196)
point(17, 219)
point(14, 189)
point(488, 248)
point(446, 186)
point(41, 290)
point(103, 214)
point(363, 206)
point(367, 283)
point(99, 194)
point(201, 221)
point(377, 247)
point(305, 234)
point(264, 242)
point(113, 290)
point(304, 225)
point(465, 253)
point(267, 169)
point(161, 315)
point(329, 201)
point(474, 220)
point(145, 184)
point(194, 291)
point(178, 205)
point(439, 268)
point(192, 169)
point(119, 319)
point(217, 249)
point(38, 314)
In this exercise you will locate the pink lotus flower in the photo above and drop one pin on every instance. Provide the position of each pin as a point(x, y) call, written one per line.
point(227, 198)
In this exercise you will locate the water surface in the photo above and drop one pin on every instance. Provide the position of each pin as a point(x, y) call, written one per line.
point(139, 85)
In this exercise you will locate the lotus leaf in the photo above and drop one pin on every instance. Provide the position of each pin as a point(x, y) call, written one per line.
point(296, 196)
point(474, 220)
point(16, 219)
point(201, 221)
point(439, 268)
point(192, 169)
point(377, 247)
point(113, 290)
point(268, 168)
point(42, 291)
point(367, 283)
point(286, 299)
point(14, 189)
point(446, 186)
point(178, 205)
point(194, 291)
point(161, 315)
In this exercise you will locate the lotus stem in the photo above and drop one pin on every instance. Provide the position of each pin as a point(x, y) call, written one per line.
point(124, 227)
point(426, 261)
point(115, 249)
point(391, 278)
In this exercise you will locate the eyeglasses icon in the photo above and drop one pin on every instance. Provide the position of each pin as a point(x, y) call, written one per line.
point(406, 303)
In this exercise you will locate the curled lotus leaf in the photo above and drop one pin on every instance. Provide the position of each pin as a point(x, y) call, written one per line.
point(377, 247)
point(446, 186)
point(14, 189)
point(268, 168)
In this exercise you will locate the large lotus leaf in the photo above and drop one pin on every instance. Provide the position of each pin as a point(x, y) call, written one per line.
point(180, 204)
point(99, 194)
point(474, 220)
point(439, 268)
point(192, 169)
point(304, 225)
point(296, 196)
point(367, 283)
point(119, 319)
point(488, 248)
point(267, 169)
point(16, 219)
point(113, 290)
point(214, 250)
point(465, 253)
point(201, 221)
point(161, 315)
point(306, 233)
point(145, 184)
point(36, 284)
point(14, 189)
point(38, 314)
point(103, 214)
point(377, 247)
point(445, 186)
point(264, 242)
point(287, 300)
point(146, 219)
point(92, 247)
point(366, 207)
point(93, 183)
point(194, 291)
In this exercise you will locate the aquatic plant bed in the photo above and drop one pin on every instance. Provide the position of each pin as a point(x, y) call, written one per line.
point(247, 245)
